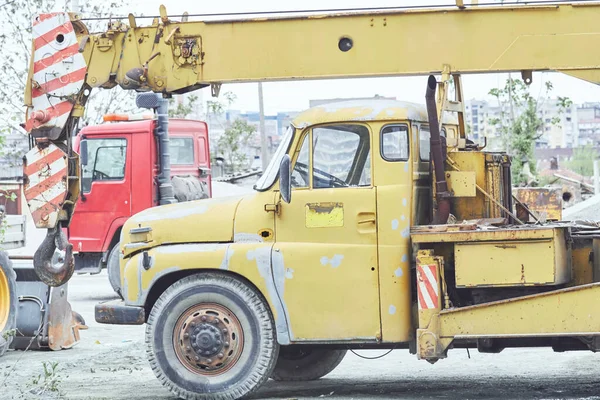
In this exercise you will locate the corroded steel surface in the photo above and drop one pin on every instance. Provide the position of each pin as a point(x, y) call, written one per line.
point(208, 339)
point(546, 203)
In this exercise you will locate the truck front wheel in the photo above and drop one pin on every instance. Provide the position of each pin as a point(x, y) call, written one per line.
point(305, 363)
point(210, 336)
point(8, 302)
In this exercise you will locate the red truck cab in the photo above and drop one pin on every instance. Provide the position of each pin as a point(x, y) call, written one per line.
point(120, 180)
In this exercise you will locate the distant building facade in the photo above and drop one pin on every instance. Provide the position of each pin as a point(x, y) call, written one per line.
point(558, 129)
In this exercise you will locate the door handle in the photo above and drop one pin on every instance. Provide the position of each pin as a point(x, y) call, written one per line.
point(367, 221)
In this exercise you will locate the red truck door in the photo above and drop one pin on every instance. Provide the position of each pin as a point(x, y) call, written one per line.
point(106, 191)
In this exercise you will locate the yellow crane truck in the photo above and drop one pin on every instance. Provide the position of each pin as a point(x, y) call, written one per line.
point(376, 225)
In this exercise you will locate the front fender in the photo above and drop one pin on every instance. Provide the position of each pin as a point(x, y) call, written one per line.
point(252, 261)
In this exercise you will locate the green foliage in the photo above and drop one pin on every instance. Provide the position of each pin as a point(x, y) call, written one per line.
point(233, 142)
point(582, 161)
point(217, 107)
point(182, 109)
point(48, 381)
point(520, 124)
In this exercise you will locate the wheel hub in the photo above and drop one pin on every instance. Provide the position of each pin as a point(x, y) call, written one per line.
point(208, 339)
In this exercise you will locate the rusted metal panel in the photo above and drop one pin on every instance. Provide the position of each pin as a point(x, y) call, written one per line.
point(63, 323)
point(545, 203)
point(117, 313)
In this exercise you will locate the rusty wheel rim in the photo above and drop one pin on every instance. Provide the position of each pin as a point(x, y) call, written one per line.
point(208, 339)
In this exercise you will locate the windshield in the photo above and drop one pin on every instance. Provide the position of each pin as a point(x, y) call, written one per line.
point(267, 179)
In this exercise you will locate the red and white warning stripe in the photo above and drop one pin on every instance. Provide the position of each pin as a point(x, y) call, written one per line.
point(58, 71)
point(427, 286)
point(45, 184)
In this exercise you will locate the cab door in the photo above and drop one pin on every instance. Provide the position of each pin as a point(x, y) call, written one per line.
point(105, 192)
point(326, 238)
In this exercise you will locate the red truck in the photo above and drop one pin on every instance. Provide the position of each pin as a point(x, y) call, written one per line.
point(120, 178)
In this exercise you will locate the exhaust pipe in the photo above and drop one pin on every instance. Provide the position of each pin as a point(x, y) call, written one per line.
point(442, 212)
point(160, 105)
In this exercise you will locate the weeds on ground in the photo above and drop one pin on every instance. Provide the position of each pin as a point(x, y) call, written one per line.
point(49, 381)
point(45, 385)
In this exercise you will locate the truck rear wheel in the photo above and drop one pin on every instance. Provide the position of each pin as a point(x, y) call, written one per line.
point(210, 336)
point(8, 302)
point(305, 363)
point(114, 269)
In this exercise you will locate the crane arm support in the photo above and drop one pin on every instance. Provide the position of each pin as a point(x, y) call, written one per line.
point(177, 57)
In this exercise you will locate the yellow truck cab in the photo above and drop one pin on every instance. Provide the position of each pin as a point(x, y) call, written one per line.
point(334, 251)
point(332, 266)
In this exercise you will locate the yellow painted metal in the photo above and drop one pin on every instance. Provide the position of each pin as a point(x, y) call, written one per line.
point(316, 256)
point(461, 183)
point(323, 215)
point(395, 214)
point(583, 267)
point(494, 186)
point(566, 312)
point(508, 234)
point(513, 262)
point(307, 47)
point(4, 299)
point(466, 208)
point(208, 220)
point(252, 222)
point(365, 110)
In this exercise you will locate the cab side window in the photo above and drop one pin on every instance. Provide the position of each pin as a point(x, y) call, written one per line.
point(394, 143)
point(182, 150)
point(341, 156)
point(106, 161)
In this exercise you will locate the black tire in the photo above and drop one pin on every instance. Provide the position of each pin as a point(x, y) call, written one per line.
point(257, 345)
point(305, 363)
point(114, 269)
point(11, 277)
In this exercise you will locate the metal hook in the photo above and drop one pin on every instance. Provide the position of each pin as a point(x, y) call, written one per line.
point(53, 267)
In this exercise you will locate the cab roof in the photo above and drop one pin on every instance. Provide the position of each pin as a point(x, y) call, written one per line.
point(365, 110)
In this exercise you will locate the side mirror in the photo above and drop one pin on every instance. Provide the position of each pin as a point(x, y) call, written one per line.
point(83, 152)
point(285, 183)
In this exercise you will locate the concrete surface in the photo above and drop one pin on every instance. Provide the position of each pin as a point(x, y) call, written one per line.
point(110, 363)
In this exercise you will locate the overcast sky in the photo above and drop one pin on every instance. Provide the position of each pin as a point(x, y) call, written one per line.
point(287, 96)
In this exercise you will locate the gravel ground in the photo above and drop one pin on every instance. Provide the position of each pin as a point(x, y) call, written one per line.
point(110, 363)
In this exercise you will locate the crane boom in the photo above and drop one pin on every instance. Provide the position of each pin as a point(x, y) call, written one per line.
point(179, 56)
